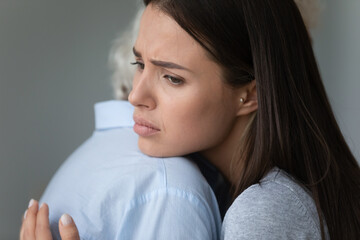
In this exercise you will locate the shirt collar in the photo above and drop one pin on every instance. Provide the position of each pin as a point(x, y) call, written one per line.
point(113, 114)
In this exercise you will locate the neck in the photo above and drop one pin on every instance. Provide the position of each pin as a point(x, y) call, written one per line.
point(222, 155)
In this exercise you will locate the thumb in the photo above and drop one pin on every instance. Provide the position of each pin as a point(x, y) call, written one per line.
point(67, 228)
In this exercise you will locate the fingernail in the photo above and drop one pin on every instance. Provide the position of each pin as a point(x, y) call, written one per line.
point(31, 202)
point(25, 214)
point(41, 205)
point(66, 219)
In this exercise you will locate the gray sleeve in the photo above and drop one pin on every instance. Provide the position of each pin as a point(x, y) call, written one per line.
point(269, 211)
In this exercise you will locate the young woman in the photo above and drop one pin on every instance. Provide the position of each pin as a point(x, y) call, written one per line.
point(237, 81)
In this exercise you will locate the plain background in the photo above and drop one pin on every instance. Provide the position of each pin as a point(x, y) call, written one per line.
point(54, 67)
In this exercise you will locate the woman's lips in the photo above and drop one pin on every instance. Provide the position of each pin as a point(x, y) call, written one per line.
point(144, 128)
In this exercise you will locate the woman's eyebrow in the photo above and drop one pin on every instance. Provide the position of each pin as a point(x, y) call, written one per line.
point(164, 64)
point(136, 53)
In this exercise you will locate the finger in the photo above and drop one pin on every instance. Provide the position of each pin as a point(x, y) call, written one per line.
point(29, 224)
point(68, 229)
point(42, 231)
point(22, 226)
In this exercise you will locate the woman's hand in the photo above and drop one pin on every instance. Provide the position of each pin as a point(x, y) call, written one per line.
point(35, 225)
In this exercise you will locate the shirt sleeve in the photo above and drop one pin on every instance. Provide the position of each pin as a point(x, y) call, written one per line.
point(259, 213)
point(168, 214)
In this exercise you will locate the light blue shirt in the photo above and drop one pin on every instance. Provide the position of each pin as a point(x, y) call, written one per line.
point(113, 191)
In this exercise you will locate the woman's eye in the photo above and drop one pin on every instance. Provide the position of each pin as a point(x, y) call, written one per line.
point(173, 80)
point(139, 65)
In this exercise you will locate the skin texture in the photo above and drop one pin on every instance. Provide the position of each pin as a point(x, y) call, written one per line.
point(194, 110)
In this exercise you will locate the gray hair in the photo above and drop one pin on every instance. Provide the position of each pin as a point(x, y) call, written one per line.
point(120, 57)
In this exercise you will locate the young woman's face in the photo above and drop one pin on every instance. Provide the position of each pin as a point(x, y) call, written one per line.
point(181, 102)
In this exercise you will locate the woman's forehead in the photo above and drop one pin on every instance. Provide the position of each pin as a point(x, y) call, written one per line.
point(161, 38)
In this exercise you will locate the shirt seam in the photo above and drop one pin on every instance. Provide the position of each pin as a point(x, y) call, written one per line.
point(172, 191)
point(164, 172)
point(197, 201)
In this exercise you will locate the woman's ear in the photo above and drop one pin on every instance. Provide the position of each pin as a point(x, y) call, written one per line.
point(247, 99)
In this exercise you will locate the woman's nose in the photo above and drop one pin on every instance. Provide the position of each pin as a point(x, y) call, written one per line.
point(142, 93)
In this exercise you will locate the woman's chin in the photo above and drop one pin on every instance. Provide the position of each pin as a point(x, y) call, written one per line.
point(156, 151)
point(150, 150)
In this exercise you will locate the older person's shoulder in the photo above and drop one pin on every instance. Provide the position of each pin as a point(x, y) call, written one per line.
point(183, 173)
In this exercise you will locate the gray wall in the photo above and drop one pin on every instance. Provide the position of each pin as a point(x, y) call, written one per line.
point(337, 48)
point(53, 68)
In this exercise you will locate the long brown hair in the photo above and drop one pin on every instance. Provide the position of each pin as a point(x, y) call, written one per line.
point(294, 127)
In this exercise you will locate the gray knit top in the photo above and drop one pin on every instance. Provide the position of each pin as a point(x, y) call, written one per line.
point(277, 208)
